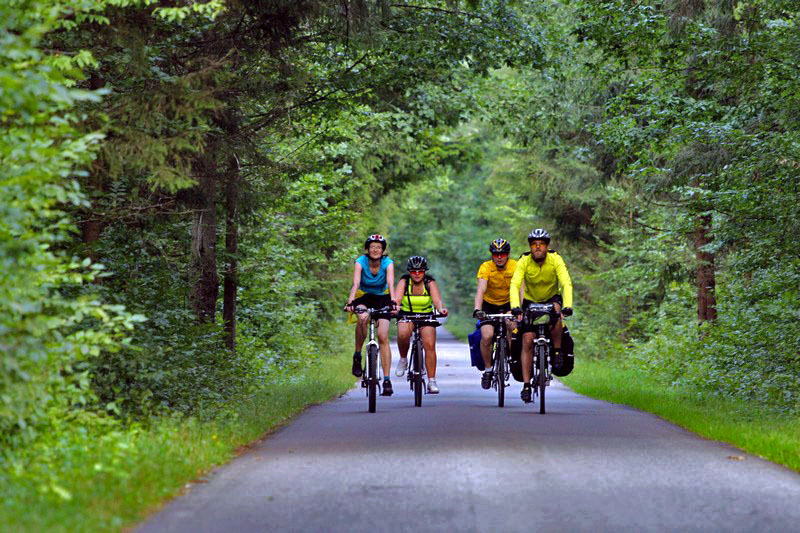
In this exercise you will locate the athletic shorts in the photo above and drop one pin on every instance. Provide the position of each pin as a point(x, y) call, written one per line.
point(373, 301)
point(493, 309)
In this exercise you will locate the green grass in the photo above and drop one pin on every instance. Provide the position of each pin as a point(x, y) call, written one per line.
point(769, 433)
point(101, 480)
point(460, 326)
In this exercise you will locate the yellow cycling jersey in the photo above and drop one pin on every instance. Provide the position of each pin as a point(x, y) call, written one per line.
point(417, 303)
point(541, 282)
point(498, 281)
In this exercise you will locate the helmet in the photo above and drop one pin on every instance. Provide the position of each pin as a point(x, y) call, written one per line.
point(417, 262)
point(375, 237)
point(499, 246)
point(539, 235)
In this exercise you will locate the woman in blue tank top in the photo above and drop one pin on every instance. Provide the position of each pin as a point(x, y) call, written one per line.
point(373, 287)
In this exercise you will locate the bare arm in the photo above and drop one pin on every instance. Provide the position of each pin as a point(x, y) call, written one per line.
point(437, 299)
point(399, 291)
point(390, 280)
point(356, 282)
point(482, 284)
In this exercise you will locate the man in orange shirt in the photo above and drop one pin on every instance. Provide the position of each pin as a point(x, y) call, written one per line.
point(492, 296)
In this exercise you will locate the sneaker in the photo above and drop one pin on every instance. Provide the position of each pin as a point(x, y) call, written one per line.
point(387, 388)
point(486, 379)
point(432, 388)
point(402, 365)
point(357, 370)
point(526, 393)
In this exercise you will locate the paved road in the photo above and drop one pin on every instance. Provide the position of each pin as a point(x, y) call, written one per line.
point(459, 463)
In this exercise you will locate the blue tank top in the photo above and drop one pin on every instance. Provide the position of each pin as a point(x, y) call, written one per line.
point(374, 284)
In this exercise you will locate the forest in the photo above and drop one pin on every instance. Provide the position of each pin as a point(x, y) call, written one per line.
point(185, 184)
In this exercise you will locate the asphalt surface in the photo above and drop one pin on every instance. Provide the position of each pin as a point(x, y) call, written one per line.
point(460, 463)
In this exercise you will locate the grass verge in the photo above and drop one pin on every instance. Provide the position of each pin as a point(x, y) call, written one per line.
point(109, 479)
point(768, 433)
point(460, 326)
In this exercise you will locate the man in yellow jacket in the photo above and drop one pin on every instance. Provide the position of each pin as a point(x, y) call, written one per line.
point(546, 281)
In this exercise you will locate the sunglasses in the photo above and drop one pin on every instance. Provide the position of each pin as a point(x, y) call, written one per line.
point(416, 271)
point(500, 255)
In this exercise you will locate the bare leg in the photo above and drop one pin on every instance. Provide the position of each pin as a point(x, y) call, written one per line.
point(403, 337)
point(557, 329)
point(527, 356)
point(487, 332)
point(428, 335)
point(361, 330)
point(383, 341)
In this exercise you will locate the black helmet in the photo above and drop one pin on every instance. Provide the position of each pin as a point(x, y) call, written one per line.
point(499, 246)
point(416, 262)
point(539, 235)
point(375, 237)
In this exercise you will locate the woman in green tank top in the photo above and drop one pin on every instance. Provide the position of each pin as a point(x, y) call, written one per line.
point(417, 292)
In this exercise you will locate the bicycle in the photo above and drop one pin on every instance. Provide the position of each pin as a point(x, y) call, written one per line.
point(416, 366)
point(541, 317)
point(502, 353)
point(369, 378)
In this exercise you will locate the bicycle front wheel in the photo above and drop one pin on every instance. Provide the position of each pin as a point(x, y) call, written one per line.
point(500, 372)
point(417, 366)
point(543, 352)
point(372, 377)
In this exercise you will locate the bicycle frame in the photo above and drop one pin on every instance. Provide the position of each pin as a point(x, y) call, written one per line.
point(416, 365)
point(370, 379)
point(541, 317)
point(501, 367)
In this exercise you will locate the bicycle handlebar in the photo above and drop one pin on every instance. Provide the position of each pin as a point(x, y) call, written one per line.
point(424, 318)
point(361, 309)
point(499, 316)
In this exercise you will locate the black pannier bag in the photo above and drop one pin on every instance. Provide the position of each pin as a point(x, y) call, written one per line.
point(568, 357)
point(516, 355)
point(567, 362)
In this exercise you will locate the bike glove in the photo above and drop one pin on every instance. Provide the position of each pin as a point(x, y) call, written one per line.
point(479, 314)
point(516, 311)
point(567, 311)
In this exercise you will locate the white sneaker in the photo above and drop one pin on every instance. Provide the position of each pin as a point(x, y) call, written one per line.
point(402, 365)
point(432, 387)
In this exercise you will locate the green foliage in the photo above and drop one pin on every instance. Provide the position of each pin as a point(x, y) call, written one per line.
point(46, 334)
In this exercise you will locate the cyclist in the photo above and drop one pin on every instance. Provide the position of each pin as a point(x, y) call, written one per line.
point(546, 280)
point(373, 286)
point(417, 292)
point(492, 296)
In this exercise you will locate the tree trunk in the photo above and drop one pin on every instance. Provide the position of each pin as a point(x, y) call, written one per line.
point(92, 227)
point(705, 276)
point(204, 239)
point(230, 283)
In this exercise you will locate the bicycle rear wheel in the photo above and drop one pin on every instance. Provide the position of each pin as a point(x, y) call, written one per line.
point(372, 378)
point(417, 366)
point(500, 372)
point(543, 351)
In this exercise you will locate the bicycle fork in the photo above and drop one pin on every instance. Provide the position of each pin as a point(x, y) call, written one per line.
point(379, 369)
point(541, 349)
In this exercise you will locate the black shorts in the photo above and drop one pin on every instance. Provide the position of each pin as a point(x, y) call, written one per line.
point(557, 299)
point(493, 309)
point(373, 301)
